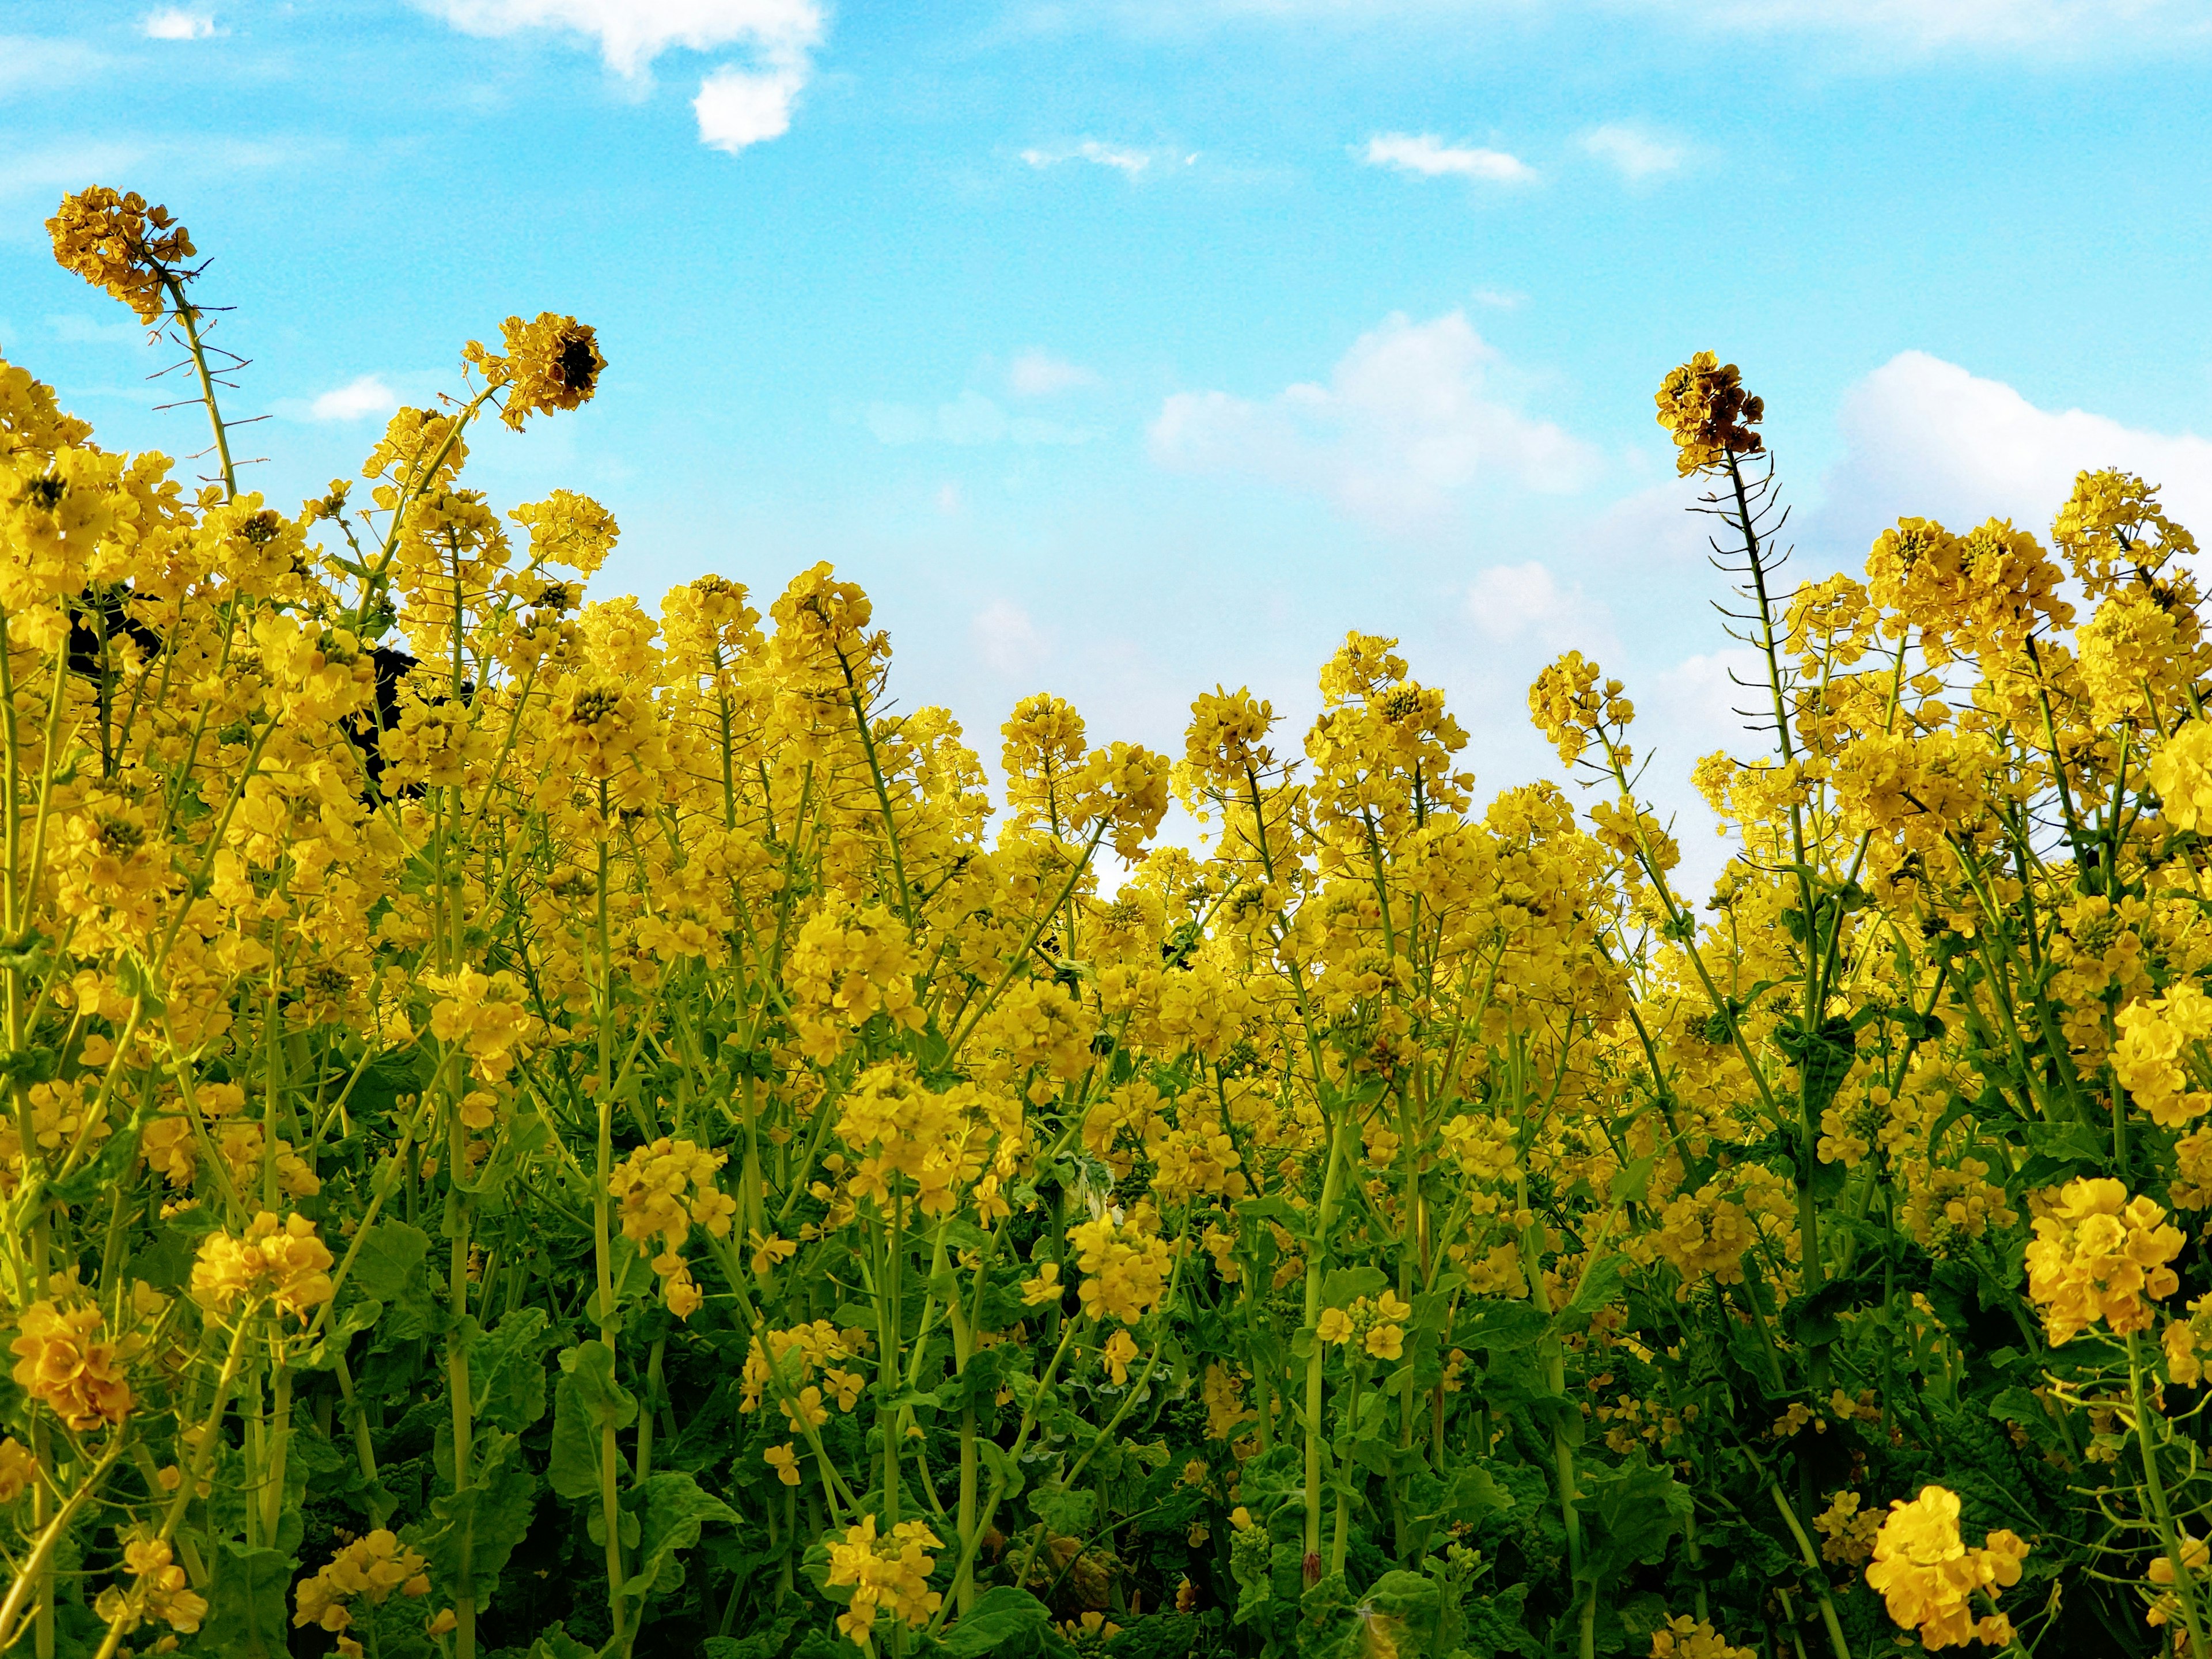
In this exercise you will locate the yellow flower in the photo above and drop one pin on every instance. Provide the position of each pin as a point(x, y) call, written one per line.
point(1703, 404)
point(1044, 1288)
point(1385, 1341)
point(63, 1361)
point(1336, 1326)
point(888, 1573)
point(373, 1566)
point(1927, 1577)
point(550, 362)
point(283, 1262)
point(1683, 1637)
point(2097, 1253)
point(1120, 1348)
point(117, 243)
point(769, 1252)
point(158, 1590)
point(784, 1460)
point(17, 1469)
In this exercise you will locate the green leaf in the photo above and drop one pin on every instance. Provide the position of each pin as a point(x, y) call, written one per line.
point(1501, 1326)
point(1601, 1283)
point(1495, 1626)
point(1414, 1606)
point(471, 1534)
point(506, 1373)
point(1005, 1623)
point(557, 1643)
point(1628, 1185)
point(674, 1511)
point(586, 1401)
point(246, 1616)
point(393, 1268)
point(1634, 1510)
point(1345, 1286)
point(1006, 1476)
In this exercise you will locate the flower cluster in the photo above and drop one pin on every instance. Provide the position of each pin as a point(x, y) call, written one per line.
point(885, 1574)
point(2100, 1254)
point(284, 1262)
point(661, 1191)
point(1929, 1579)
point(371, 1567)
point(1377, 1326)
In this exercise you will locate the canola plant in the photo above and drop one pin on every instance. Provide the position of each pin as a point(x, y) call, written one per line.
point(541, 1128)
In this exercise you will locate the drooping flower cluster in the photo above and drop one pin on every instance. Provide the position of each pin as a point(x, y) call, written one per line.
point(661, 1191)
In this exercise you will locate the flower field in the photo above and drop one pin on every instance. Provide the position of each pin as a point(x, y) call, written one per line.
point(535, 1127)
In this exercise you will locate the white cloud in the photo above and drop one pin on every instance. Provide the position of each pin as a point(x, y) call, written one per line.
point(1511, 604)
point(1927, 438)
point(1130, 163)
point(1405, 423)
point(631, 34)
point(949, 500)
point(1635, 153)
point(175, 23)
point(366, 396)
point(1499, 299)
point(1427, 157)
point(738, 104)
point(969, 419)
point(1006, 640)
point(1037, 373)
point(736, 107)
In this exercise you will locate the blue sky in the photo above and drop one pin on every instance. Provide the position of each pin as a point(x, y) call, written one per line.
point(1121, 347)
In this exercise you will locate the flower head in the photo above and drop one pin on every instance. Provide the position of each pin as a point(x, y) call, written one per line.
point(550, 362)
point(116, 242)
point(1703, 404)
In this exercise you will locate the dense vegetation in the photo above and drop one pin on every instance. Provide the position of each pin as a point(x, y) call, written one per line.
point(536, 1127)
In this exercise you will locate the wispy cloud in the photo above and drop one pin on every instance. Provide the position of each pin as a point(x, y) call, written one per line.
point(738, 104)
point(30, 62)
point(1406, 424)
point(1426, 157)
point(355, 400)
point(1037, 373)
point(175, 23)
point(49, 169)
point(969, 419)
point(86, 330)
point(1130, 163)
point(1006, 639)
point(1635, 152)
point(1516, 603)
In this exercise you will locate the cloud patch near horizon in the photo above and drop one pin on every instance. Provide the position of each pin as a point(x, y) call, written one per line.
point(1406, 424)
point(1928, 439)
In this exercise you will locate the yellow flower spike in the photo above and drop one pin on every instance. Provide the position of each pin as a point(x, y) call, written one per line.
point(1704, 408)
point(116, 243)
point(551, 363)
